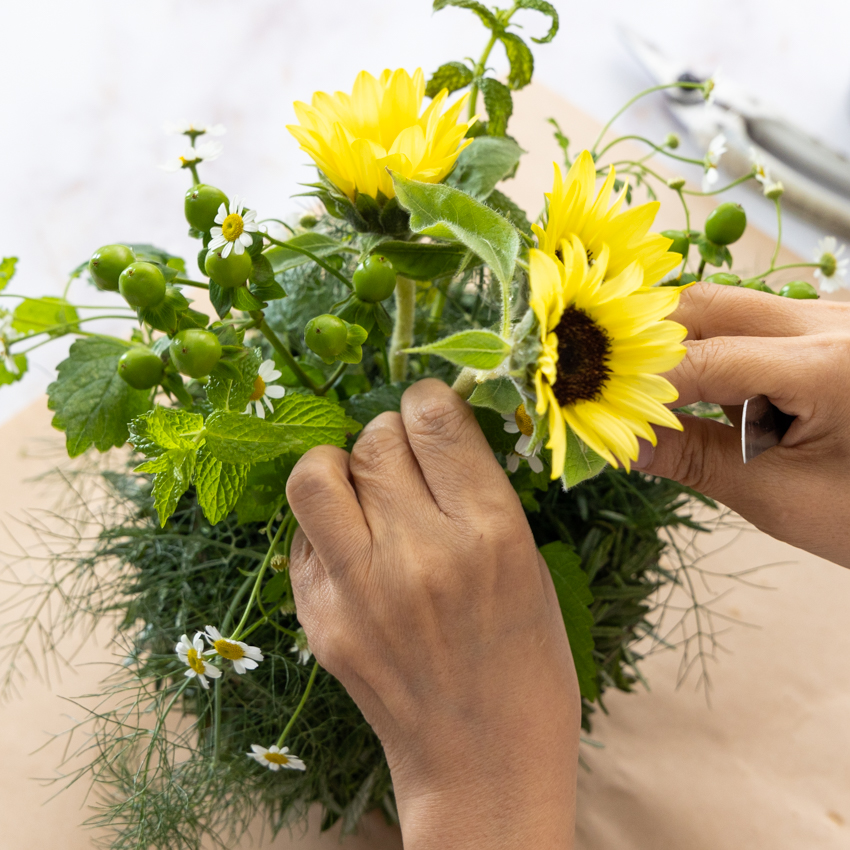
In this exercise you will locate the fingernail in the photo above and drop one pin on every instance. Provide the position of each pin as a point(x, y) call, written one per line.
point(645, 455)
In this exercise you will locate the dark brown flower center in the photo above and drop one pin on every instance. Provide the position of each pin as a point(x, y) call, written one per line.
point(583, 351)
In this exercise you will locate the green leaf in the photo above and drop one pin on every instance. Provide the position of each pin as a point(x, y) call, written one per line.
point(277, 585)
point(521, 59)
point(493, 426)
point(574, 597)
point(487, 17)
point(477, 349)
point(447, 213)
point(313, 420)
point(261, 269)
point(9, 377)
point(93, 404)
point(244, 300)
point(229, 392)
point(283, 258)
point(7, 270)
point(425, 261)
point(481, 165)
point(451, 76)
point(364, 407)
point(221, 299)
point(36, 315)
point(581, 462)
point(148, 253)
point(236, 438)
point(714, 255)
point(546, 9)
point(500, 202)
point(165, 428)
point(219, 485)
point(173, 475)
point(499, 394)
point(499, 105)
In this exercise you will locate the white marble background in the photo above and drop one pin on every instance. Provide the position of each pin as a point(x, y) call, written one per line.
point(88, 84)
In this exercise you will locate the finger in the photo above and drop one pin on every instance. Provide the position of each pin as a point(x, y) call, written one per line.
point(729, 370)
point(306, 570)
point(387, 477)
point(324, 502)
point(455, 458)
point(708, 310)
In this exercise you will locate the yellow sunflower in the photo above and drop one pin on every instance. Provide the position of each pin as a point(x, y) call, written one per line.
point(604, 343)
point(576, 209)
point(355, 138)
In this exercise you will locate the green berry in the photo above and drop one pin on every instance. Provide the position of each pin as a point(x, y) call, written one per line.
point(195, 352)
point(724, 278)
point(308, 221)
point(326, 335)
point(230, 271)
point(201, 206)
point(680, 241)
point(107, 263)
point(726, 224)
point(759, 286)
point(140, 368)
point(142, 285)
point(374, 279)
point(799, 289)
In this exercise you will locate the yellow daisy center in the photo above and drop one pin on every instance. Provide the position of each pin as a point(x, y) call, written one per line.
point(523, 421)
point(232, 227)
point(276, 758)
point(583, 352)
point(194, 660)
point(229, 650)
point(259, 389)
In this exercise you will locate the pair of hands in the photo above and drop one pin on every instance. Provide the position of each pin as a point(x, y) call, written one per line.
point(419, 585)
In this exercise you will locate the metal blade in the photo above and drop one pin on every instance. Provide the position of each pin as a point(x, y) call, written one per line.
point(763, 426)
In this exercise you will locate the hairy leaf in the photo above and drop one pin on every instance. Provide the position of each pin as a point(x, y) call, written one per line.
point(172, 476)
point(499, 394)
point(219, 485)
point(574, 597)
point(93, 404)
point(477, 349)
point(481, 165)
point(424, 261)
point(499, 105)
point(313, 420)
point(447, 213)
point(36, 315)
point(451, 76)
point(521, 59)
point(546, 9)
point(514, 213)
point(7, 270)
point(236, 438)
point(581, 462)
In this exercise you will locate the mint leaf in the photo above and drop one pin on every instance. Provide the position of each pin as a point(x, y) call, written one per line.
point(546, 9)
point(499, 104)
point(9, 377)
point(232, 393)
point(574, 597)
point(219, 485)
point(521, 59)
point(476, 349)
point(314, 420)
point(580, 463)
point(172, 476)
point(236, 438)
point(484, 163)
point(499, 395)
point(364, 407)
point(35, 315)
point(487, 17)
point(93, 404)
point(165, 428)
point(7, 270)
point(447, 213)
point(451, 76)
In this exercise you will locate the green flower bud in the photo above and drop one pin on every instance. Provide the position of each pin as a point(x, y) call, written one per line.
point(374, 279)
point(201, 206)
point(676, 183)
point(724, 278)
point(107, 263)
point(195, 352)
point(142, 285)
point(672, 141)
point(774, 190)
point(141, 368)
point(308, 221)
point(799, 289)
point(726, 224)
point(326, 335)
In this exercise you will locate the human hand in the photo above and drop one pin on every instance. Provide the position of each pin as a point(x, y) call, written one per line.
point(420, 588)
point(743, 343)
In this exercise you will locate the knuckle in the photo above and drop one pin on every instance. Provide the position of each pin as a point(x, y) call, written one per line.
point(438, 416)
point(380, 443)
point(694, 466)
point(309, 481)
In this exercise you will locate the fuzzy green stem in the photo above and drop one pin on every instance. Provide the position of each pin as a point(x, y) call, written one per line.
point(301, 704)
point(304, 379)
point(465, 383)
point(405, 300)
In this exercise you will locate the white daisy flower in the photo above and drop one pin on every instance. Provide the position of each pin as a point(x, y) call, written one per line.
point(192, 156)
point(709, 87)
point(234, 228)
point(302, 648)
point(832, 273)
point(243, 656)
point(760, 167)
point(519, 422)
point(274, 758)
point(712, 158)
point(191, 654)
point(189, 128)
point(263, 392)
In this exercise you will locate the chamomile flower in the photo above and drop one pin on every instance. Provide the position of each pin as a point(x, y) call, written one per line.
point(760, 170)
point(188, 128)
point(274, 758)
point(716, 149)
point(302, 648)
point(234, 228)
point(243, 656)
point(832, 273)
point(192, 156)
point(263, 389)
point(519, 422)
point(190, 652)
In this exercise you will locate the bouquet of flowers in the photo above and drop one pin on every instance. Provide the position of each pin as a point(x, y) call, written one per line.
point(417, 264)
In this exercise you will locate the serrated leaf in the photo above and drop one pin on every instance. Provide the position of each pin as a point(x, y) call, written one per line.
point(476, 349)
point(499, 105)
point(447, 213)
point(451, 76)
point(423, 260)
point(219, 485)
point(165, 428)
point(499, 394)
point(364, 407)
point(487, 17)
point(500, 202)
point(314, 420)
point(93, 404)
point(521, 59)
point(36, 315)
point(574, 597)
point(284, 258)
point(9, 377)
point(7, 270)
point(546, 9)
point(237, 438)
point(483, 164)
point(581, 462)
point(172, 476)
point(232, 392)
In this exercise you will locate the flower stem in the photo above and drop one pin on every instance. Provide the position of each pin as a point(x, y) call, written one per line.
point(310, 255)
point(656, 148)
point(465, 383)
point(285, 355)
point(188, 282)
point(479, 70)
point(778, 234)
point(337, 374)
point(301, 704)
point(405, 299)
point(782, 268)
